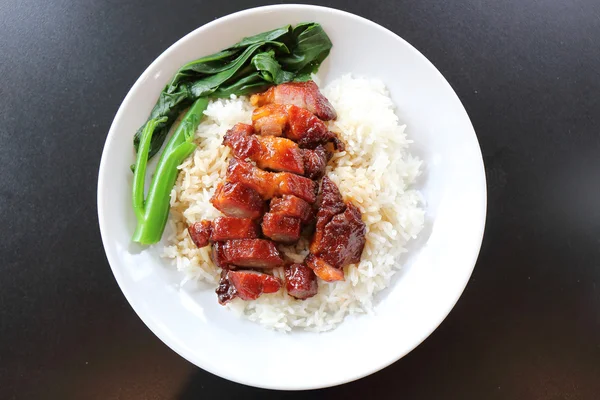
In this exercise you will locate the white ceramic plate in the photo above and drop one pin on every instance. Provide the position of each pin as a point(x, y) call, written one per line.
point(433, 275)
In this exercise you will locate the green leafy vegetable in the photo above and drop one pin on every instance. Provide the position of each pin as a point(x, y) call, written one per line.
point(247, 85)
point(280, 55)
point(223, 60)
point(269, 68)
point(269, 36)
point(310, 47)
point(249, 66)
point(203, 66)
point(206, 86)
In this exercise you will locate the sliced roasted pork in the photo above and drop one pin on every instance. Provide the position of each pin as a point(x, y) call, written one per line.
point(300, 281)
point(295, 123)
point(324, 270)
point(343, 238)
point(200, 233)
point(302, 94)
point(218, 255)
point(281, 228)
point(252, 253)
point(292, 206)
point(330, 204)
point(225, 291)
point(339, 236)
point(223, 228)
point(276, 153)
point(269, 152)
point(315, 162)
point(228, 228)
point(247, 285)
point(236, 200)
point(271, 184)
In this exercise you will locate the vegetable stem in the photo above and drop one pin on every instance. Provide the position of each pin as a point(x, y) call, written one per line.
point(150, 228)
point(187, 127)
point(141, 163)
point(152, 213)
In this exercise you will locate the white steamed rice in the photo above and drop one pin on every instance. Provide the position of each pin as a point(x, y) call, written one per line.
point(375, 172)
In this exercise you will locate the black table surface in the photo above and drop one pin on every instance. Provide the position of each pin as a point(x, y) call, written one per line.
point(528, 323)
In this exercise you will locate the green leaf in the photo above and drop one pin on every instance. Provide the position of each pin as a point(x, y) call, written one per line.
point(221, 60)
point(270, 69)
point(303, 77)
point(206, 86)
point(248, 85)
point(311, 47)
point(203, 66)
point(269, 36)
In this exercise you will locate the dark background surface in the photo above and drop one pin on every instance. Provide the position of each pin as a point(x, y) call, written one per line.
point(528, 324)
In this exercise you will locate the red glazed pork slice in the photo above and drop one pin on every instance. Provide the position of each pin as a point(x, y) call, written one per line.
point(253, 253)
point(281, 228)
point(300, 281)
point(236, 200)
point(302, 94)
